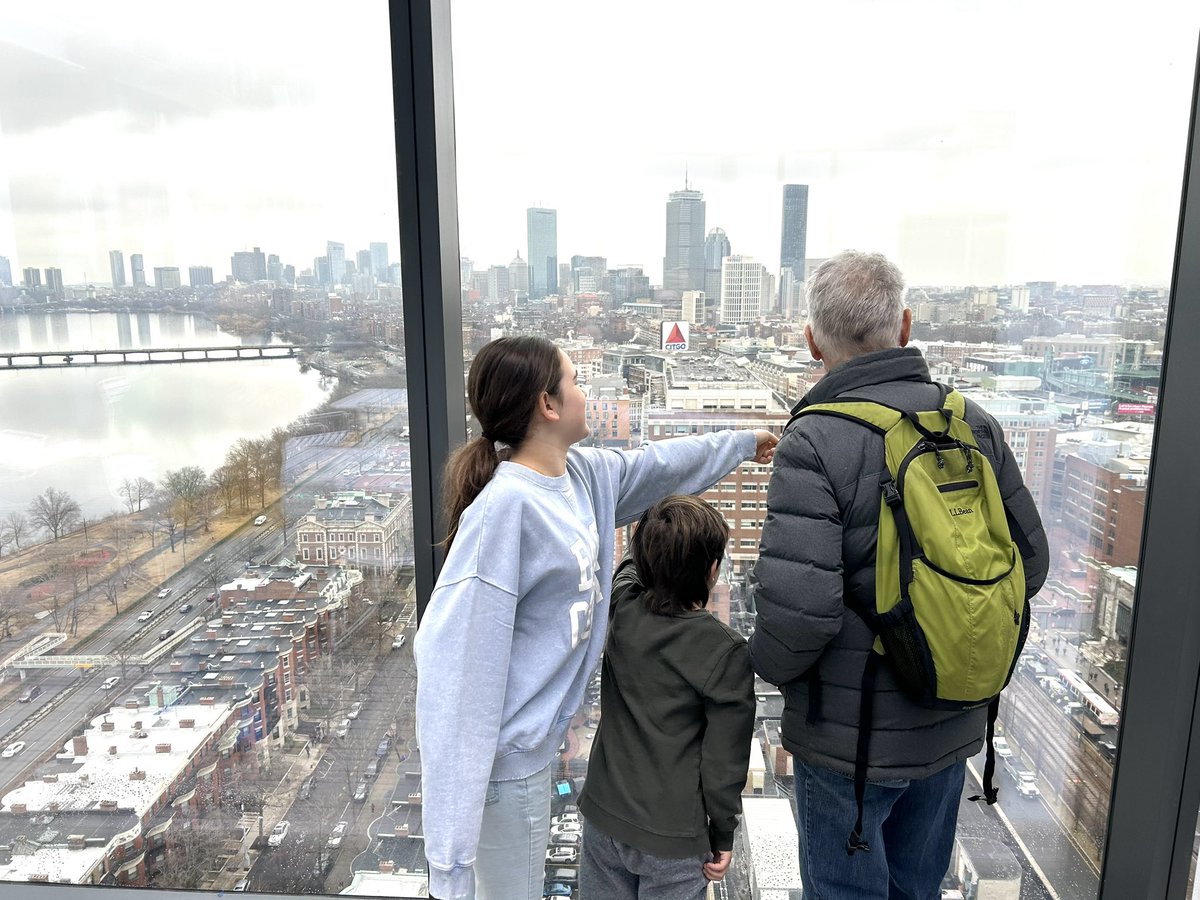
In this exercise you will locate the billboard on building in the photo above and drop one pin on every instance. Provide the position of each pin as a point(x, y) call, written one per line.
point(675, 335)
point(1135, 409)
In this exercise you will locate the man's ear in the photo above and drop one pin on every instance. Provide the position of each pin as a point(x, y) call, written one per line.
point(905, 327)
point(813, 350)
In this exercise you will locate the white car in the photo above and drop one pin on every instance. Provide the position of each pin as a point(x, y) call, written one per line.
point(1027, 785)
point(342, 728)
point(1002, 749)
point(278, 833)
point(568, 855)
point(163, 593)
point(261, 520)
point(146, 616)
point(13, 749)
point(565, 818)
point(335, 836)
point(566, 828)
point(209, 558)
point(355, 709)
point(398, 642)
point(110, 683)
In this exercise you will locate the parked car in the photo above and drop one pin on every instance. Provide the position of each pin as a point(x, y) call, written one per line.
point(372, 769)
point(566, 817)
point(278, 833)
point(261, 520)
point(572, 838)
point(305, 790)
point(186, 608)
point(1002, 749)
point(342, 728)
point(30, 694)
point(165, 633)
point(557, 889)
point(146, 615)
point(360, 791)
point(562, 855)
point(384, 745)
point(243, 885)
point(13, 749)
point(355, 709)
point(335, 836)
point(563, 876)
point(566, 828)
point(110, 682)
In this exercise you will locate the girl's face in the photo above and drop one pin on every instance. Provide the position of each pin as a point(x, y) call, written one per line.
point(571, 403)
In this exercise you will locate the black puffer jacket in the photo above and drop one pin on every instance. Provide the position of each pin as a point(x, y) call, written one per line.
point(818, 545)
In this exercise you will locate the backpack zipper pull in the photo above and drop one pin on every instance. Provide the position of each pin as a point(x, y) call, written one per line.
point(941, 462)
point(966, 452)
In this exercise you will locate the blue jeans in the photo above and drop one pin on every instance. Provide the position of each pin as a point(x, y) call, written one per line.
point(909, 826)
point(510, 863)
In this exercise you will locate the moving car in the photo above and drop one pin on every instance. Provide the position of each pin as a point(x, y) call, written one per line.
point(163, 593)
point(1002, 749)
point(165, 633)
point(13, 749)
point(261, 520)
point(209, 558)
point(278, 833)
point(305, 790)
point(211, 597)
point(146, 615)
point(186, 608)
point(1027, 785)
point(30, 694)
point(335, 836)
point(398, 642)
point(110, 683)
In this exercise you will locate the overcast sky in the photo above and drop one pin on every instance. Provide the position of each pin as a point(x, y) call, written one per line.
point(975, 143)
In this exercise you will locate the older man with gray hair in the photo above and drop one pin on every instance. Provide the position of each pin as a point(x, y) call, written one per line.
point(816, 579)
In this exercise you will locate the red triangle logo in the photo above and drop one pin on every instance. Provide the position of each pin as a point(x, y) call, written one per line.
point(676, 336)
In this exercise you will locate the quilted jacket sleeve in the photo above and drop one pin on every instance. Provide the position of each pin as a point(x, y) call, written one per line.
point(799, 571)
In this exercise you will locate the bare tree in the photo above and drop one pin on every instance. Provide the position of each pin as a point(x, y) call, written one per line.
point(54, 511)
point(112, 593)
point(184, 487)
point(206, 505)
point(190, 861)
point(5, 539)
point(10, 608)
point(135, 492)
point(225, 481)
point(18, 526)
point(164, 516)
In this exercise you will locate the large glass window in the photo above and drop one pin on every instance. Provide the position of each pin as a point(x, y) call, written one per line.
point(205, 492)
point(655, 198)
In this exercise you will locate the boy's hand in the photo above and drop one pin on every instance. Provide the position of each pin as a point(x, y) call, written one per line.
point(716, 869)
point(765, 451)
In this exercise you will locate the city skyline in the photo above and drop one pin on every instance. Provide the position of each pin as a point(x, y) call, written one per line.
point(994, 175)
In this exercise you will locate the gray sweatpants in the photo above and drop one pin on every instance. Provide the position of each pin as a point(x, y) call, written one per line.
point(611, 870)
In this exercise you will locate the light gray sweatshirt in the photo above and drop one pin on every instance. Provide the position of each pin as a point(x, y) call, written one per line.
point(516, 624)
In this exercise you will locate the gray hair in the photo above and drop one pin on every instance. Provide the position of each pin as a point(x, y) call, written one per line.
point(855, 304)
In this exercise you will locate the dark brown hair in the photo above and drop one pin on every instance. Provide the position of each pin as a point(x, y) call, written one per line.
point(505, 384)
point(674, 547)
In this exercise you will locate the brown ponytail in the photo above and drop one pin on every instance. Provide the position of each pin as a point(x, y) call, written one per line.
point(506, 381)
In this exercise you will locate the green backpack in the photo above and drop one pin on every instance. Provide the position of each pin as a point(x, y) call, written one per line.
point(950, 616)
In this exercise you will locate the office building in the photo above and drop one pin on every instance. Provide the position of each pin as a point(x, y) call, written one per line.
point(693, 307)
point(54, 282)
point(379, 260)
point(5, 271)
point(31, 278)
point(795, 230)
point(116, 265)
point(542, 235)
point(137, 266)
point(248, 266)
point(166, 278)
point(518, 275)
point(683, 264)
point(200, 276)
point(336, 254)
point(497, 284)
point(743, 288)
point(274, 268)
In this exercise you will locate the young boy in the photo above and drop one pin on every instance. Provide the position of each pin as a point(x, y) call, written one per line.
point(669, 761)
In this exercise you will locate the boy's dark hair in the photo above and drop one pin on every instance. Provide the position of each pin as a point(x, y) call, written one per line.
point(674, 547)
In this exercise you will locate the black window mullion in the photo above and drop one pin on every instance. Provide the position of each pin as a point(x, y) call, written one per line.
point(1156, 785)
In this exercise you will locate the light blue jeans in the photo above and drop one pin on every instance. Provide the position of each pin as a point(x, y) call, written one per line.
point(510, 863)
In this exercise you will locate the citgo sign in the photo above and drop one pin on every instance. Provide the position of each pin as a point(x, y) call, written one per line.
point(675, 335)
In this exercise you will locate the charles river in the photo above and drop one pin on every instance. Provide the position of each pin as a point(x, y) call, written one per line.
point(84, 430)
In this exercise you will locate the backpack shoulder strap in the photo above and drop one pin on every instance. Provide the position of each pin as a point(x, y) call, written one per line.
point(876, 416)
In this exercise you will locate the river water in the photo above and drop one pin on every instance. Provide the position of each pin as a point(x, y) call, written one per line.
point(85, 430)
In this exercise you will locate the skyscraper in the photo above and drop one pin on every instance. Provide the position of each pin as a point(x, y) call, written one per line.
point(166, 278)
point(336, 254)
point(542, 232)
point(379, 260)
point(54, 282)
point(248, 265)
point(5, 271)
point(274, 268)
point(683, 265)
point(518, 275)
point(116, 264)
point(200, 276)
point(743, 283)
point(363, 262)
point(716, 248)
point(138, 268)
point(795, 229)
point(31, 278)
point(497, 280)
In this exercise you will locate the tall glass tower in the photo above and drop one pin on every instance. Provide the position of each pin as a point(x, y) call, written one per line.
point(542, 231)
point(795, 229)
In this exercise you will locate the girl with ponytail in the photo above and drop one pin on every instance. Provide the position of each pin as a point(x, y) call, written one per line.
point(516, 623)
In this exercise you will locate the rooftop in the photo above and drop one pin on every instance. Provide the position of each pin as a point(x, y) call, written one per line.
point(773, 842)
